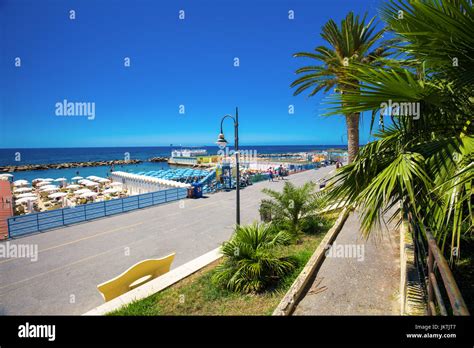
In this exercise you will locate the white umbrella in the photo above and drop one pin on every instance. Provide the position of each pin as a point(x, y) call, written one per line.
point(77, 178)
point(111, 190)
point(23, 195)
point(57, 195)
point(50, 189)
point(7, 175)
point(42, 183)
point(103, 180)
point(60, 179)
point(26, 200)
point(78, 192)
point(48, 179)
point(91, 183)
point(20, 183)
point(73, 186)
point(23, 189)
point(88, 194)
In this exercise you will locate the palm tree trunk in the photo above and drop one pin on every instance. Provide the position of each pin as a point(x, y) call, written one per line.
point(352, 124)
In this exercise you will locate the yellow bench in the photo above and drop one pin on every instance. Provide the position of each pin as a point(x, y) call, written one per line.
point(137, 275)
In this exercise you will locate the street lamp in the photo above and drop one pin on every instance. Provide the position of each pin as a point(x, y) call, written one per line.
point(222, 143)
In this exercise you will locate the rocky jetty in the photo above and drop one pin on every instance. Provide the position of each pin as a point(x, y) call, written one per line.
point(26, 167)
point(158, 159)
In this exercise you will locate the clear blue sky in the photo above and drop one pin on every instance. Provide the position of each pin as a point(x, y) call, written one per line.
point(173, 62)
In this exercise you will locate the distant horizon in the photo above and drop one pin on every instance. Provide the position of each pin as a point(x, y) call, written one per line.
point(173, 145)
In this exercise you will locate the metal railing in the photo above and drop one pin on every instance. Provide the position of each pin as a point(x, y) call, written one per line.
point(36, 222)
point(431, 263)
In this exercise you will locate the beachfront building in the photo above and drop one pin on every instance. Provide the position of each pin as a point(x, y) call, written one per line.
point(137, 184)
point(186, 156)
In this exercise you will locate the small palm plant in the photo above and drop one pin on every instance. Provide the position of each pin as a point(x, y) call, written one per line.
point(251, 264)
point(291, 207)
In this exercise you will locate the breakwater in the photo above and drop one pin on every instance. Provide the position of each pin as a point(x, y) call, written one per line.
point(28, 167)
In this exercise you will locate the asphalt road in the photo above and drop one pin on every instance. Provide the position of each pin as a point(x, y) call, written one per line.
point(73, 260)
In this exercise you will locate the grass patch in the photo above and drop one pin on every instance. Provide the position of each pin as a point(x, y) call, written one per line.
point(196, 295)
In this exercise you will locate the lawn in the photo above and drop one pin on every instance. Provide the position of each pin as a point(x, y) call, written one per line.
point(196, 295)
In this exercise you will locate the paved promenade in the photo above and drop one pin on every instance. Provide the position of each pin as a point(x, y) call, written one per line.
point(365, 284)
point(73, 260)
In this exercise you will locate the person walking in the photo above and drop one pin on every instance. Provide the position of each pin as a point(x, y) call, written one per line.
point(270, 174)
point(280, 172)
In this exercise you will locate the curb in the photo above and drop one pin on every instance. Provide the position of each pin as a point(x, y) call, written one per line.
point(287, 304)
point(158, 284)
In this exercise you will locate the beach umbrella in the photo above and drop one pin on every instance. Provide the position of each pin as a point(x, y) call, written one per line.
point(77, 178)
point(91, 183)
point(111, 190)
point(23, 189)
point(23, 195)
point(57, 195)
point(60, 179)
point(88, 194)
point(81, 191)
point(25, 200)
point(43, 183)
point(8, 175)
point(18, 183)
point(49, 189)
point(116, 184)
point(73, 186)
point(102, 181)
point(48, 179)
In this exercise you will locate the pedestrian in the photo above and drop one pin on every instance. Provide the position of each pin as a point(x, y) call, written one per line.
point(270, 174)
point(280, 172)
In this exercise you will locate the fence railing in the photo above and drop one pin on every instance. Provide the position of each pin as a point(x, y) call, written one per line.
point(431, 263)
point(35, 222)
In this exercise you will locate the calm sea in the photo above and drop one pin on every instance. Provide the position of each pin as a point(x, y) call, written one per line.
point(61, 155)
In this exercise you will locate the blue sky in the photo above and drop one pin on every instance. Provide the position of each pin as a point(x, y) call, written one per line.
point(174, 62)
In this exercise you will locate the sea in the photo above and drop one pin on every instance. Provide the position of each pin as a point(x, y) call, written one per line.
point(25, 156)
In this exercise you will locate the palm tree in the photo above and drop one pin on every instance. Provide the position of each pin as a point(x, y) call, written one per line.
point(251, 264)
point(425, 162)
point(350, 43)
point(292, 206)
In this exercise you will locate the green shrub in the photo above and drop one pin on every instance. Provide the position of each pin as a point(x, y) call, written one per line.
point(251, 264)
point(314, 224)
point(293, 206)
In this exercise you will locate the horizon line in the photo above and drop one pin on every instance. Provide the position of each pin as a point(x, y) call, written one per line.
point(177, 145)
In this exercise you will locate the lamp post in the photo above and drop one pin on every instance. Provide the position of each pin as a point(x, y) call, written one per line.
point(222, 142)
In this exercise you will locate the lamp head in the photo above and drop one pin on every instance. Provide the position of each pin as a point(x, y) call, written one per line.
point(221, 142)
